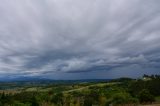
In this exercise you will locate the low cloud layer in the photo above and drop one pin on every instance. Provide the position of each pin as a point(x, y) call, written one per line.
point(79, 39)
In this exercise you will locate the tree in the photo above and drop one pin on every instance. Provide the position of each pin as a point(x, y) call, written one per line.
point(2, 99)
point(58, 99)
point(124, 98)
point(94, 95)
point(34, 102)
point(88, 101)
point(145, 96)
point(119, 99)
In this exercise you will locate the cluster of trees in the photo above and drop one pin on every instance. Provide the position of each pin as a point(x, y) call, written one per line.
point(19, 99)
point(153, 86)
point(151, 76)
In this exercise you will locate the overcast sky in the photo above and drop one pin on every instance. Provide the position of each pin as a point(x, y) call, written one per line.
point(79, 39)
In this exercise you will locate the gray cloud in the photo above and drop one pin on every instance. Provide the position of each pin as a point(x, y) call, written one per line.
point(71, 38)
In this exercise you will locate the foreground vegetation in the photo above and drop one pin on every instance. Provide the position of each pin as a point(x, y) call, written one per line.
point(123, 91)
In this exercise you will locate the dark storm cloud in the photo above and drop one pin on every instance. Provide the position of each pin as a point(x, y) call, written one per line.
point(57, 37)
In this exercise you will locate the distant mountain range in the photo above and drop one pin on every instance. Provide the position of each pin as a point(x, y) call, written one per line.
point(38, 79)
point(12, 79)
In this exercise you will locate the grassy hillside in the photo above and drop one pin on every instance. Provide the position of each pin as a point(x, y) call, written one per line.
point(119, 92)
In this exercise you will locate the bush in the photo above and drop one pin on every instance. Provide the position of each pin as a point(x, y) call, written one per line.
point(145, 96)
point(58, 99)
point(88, 101)
point(124, 98)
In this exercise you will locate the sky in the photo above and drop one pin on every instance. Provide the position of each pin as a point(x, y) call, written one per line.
point(79, 39)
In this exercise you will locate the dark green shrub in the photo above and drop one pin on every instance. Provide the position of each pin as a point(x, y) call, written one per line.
point(145, 96)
